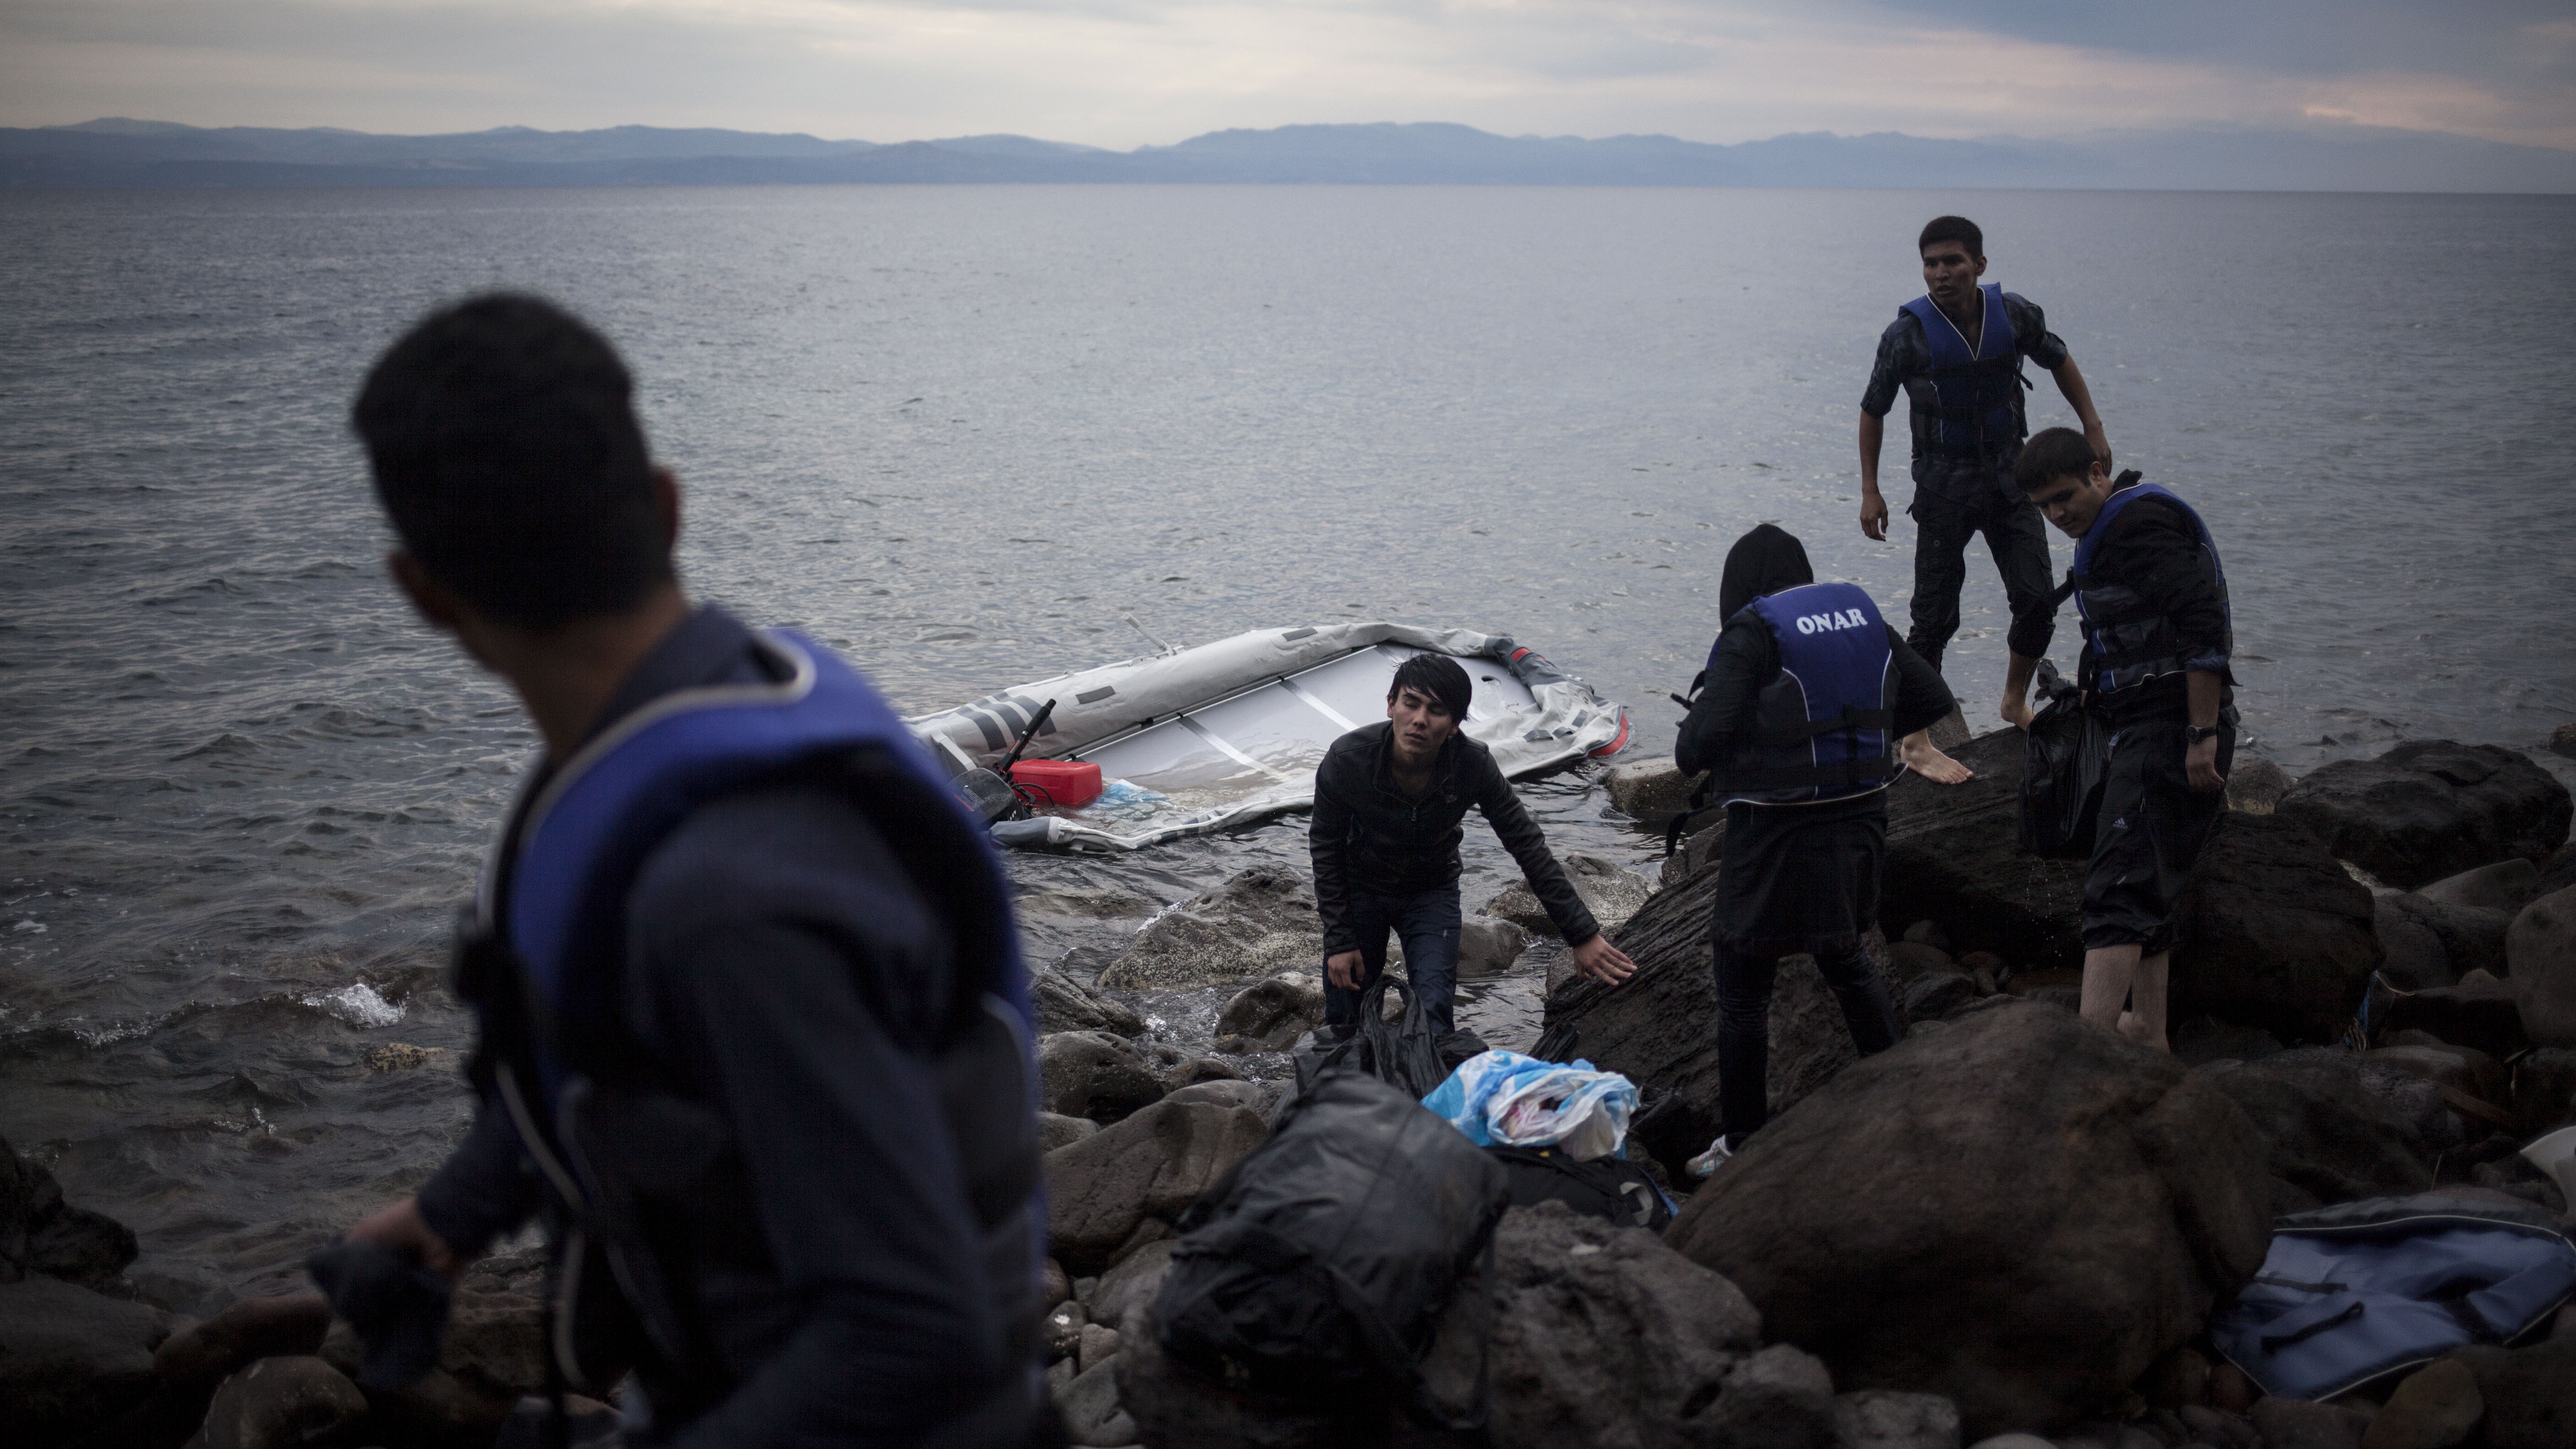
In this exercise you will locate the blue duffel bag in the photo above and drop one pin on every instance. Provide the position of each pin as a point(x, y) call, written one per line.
point(2351, 1292)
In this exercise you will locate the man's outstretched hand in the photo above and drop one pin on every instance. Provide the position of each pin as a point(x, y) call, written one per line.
point(1603, 962)
point(402, 1228)
point(1343, 969)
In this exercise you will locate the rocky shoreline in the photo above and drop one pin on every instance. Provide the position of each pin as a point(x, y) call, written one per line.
point(2009, 1231)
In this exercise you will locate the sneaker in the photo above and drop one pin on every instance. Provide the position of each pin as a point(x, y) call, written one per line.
point(1711, 1160)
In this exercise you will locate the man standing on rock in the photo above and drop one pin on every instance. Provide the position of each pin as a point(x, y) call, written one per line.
point(1956, 351)
point(1811, 706)
point(753, 1035)
point(1389, 802)
point(2157, 637)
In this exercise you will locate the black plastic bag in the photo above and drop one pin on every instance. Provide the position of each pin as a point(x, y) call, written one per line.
point(2068, 756)
point(1321, 1264)
point(1604, 1187)
point(1404, 1053)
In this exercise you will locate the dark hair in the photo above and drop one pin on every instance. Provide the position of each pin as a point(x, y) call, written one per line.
point(1438, 676)
point(2051, 454)
point(505, 448)
point(1952, 228)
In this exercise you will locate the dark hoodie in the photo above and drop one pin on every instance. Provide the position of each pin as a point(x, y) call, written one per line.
point(1746, 658)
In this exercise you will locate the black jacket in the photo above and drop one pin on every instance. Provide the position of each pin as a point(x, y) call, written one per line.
point(2153, 550)
point(1367, 836)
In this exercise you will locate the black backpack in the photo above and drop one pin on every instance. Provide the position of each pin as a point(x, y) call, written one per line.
point(1321, 1264)
point(2067, 758)
point(1605, 1187)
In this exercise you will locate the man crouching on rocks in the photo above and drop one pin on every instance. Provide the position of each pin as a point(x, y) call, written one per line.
point(753, 1026)
point(2157, 638)
point(1389, 800)
point(1811, 707)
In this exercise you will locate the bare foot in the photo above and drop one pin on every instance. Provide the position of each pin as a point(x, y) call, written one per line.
point(1926, 759)
point(2137, 1031)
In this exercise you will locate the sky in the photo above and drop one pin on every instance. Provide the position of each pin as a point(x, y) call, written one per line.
point(1122, 73)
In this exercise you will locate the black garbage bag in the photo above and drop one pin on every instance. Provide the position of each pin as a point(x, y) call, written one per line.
point(1405, 1053)
point(1320, 1265)
point(2068, 757)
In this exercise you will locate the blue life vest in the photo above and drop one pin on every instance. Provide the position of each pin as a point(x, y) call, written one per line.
point(605, 1127)
point(2126, 641)
point(1977, 392)
point(2362, 1290)
point(1823, 730)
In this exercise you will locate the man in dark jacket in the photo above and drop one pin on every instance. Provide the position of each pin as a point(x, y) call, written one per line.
point(2157, 638)
point(1956, 353)
point(1810, 707)
point(766, 1054)
point(1389, 802)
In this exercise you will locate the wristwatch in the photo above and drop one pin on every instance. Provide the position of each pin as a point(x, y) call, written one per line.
point(2196, 733)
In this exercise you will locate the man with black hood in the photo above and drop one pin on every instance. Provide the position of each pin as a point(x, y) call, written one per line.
point(1810, 707)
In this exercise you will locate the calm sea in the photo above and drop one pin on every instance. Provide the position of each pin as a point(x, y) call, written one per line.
point(961, 432)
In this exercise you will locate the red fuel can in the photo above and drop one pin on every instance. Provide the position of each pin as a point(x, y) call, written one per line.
point(1069, 784)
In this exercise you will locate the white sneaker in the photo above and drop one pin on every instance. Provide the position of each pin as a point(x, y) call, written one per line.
point(1709, 1161)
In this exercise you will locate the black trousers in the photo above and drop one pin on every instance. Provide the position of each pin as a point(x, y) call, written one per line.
point(1968, 498)
point(1744, 982)
point(2152, 827)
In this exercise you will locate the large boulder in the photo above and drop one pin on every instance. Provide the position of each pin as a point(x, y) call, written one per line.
point(1652, 791)
point(1954, 856)
point(1065, 1004)
point(1107, 1188)
point(1094, 1074)
point(1269, 1016)
point(71, 1359)
point(2254, 784)
point(2507, 886)
point(41, 1233)
point(2432, 808)
point(1609, 890)
point(2063, 1204)
point(2328, 1136)
point(2271, 932)
point(1259, 923)
point(2541, 947)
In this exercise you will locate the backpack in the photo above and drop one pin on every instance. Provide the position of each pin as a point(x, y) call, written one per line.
point(1603, 1187)
point(2351, 1292)
point(1321, 1264)
point(2067, 756)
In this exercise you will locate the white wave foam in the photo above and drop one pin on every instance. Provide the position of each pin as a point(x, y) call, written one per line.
point(357, 1004)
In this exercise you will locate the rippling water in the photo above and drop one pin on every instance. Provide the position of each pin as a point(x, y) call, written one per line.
point(961, 431)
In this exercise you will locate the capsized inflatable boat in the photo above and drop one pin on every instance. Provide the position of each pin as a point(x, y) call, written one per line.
point(1194, 741)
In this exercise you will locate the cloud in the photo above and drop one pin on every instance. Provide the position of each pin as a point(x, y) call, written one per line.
point(1125, 72)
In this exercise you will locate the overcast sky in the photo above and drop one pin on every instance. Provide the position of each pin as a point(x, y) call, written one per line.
point(1124, 72)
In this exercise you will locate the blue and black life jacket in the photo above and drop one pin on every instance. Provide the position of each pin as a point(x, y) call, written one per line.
point(2126, 640)
point(1825, 729)
point(616, 1142)
point(1976, 391)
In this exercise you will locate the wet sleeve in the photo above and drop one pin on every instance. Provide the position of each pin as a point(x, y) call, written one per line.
point(2160, 556)
point(1922, 696)
point(1328, 831)
point(797, 978)
point(2031, 337)
point(1745, 659)
point(485, 1187)
point(1901, 355)
point(1521, 836)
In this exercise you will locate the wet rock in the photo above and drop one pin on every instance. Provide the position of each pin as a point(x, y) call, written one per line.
point(1134, 1279)
point(1229, 1092)
point(2544, 1090)
point(1058, 1130)
point(72, 1359)
point(1695, 852)
point(1779, 1398)
point(2328, 1137)
point(2529, 1393)
point(1060, 1332)
point(2412, 953)
point(2436, 1407)
point(278, 1403)
point(1877, 1205)
point(2482, 1013)
point(1652, 791)
point(1487, 946)
point(399, 1056)
point(1908, 960)
point(1269, 1016)
point(1933, 996)
point(1260, 923)
point(2557, 873)
point(2507, 885)
point(1090, 1406)
point(287, 1324)
point(2255, 785)
point(1611, 891)
point(1150, 1166)
point(2431, 808)
point(1889, 1419)
point(2562, 740)
point(1173, 1407)
point(1055, 1285)
point(2299, 1424)
point(2458, 1073)
point(40, 1233)
point(1096, 1343)
point(2541, 946)
point(1094, 1074)
point(2471, 938)
point(1200, 1072)
point(1064, 1004)
point(2270, 932)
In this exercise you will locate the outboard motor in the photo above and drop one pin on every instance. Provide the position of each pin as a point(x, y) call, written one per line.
point(989, 795)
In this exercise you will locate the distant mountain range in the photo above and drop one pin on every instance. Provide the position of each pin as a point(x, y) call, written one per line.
point(125, 153)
